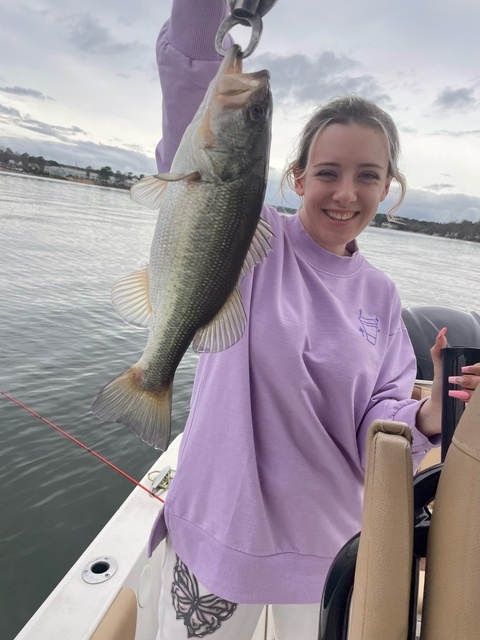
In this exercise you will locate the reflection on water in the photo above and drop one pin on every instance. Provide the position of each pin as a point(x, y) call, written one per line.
point(62, 246)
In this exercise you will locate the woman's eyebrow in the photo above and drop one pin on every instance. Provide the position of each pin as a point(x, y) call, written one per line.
point(363, 165)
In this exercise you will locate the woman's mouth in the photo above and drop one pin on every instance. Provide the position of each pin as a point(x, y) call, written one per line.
point(339, 215)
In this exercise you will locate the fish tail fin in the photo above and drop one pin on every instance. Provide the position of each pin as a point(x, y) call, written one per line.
point(146, 412)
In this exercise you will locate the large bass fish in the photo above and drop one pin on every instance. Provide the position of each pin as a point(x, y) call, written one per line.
point(209, 232)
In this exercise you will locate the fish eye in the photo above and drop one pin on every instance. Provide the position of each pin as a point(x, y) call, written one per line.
point(256, 112)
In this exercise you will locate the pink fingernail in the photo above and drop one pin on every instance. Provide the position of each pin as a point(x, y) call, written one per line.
point(465, 369)
point(460, 395)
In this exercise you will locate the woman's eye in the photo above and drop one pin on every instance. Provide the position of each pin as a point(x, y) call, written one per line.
point(326, 174)
point(369, 175)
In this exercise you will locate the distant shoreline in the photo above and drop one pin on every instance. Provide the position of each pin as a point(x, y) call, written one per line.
point(70, 179)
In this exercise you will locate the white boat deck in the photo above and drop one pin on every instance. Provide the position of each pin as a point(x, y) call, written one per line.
point(75, 609)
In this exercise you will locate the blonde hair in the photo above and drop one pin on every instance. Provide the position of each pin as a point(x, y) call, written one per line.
point(348, 110)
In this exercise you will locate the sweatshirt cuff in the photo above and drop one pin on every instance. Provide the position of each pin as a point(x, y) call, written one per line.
point(407, 412)
point(193, 27)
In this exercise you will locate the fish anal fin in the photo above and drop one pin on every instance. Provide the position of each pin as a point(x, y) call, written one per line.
point(146, 412)
point(131, 299)
point(259, 247)
point(225, 329)
point(149, 191)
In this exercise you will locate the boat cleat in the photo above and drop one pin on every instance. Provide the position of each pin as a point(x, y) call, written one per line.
point(160, 480)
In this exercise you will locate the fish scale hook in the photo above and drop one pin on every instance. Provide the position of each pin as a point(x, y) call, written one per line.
point(246, 13)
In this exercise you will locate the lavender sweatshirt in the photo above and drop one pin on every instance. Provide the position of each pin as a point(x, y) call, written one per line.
point(269, 483)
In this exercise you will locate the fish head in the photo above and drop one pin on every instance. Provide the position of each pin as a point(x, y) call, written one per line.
point(233, 129)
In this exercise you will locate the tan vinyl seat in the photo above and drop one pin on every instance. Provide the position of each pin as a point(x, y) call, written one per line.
point(120, 621)
point(381, 594)
point(451, 609)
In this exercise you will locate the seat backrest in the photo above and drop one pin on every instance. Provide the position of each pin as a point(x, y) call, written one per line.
point(451, 609)
point(381, 593)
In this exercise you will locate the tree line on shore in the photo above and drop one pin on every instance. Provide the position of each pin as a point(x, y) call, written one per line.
point(36, 165)
point(465, 230)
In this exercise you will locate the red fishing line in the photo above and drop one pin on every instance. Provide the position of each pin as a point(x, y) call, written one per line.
point(80, 444)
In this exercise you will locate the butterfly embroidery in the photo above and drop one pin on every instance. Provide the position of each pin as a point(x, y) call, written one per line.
point(201, 615)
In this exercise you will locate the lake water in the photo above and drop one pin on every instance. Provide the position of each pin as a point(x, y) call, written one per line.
point(62, 246)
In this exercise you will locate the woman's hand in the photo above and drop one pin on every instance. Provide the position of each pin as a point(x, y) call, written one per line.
point(429, 416)
point(469, 380)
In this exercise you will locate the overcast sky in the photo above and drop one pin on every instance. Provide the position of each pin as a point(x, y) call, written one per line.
point(78, 83)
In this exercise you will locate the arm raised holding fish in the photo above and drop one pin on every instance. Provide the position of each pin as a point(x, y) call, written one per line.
point(269, 484)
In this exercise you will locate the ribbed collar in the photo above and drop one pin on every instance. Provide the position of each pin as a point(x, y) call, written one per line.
point(317, 256)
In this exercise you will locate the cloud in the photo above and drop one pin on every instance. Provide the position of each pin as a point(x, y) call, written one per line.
point(55, 131)
point(456, 134)
point(307, 80)
point(89, 36)
point(421, 204)
point(11, 116)
point(9, 113)
point(440, 186)
point(22, 91)
point(462, 98)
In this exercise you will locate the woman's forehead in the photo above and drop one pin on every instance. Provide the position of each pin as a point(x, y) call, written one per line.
point(363, 143)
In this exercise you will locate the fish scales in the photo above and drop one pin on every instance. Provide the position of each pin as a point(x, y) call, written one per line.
point(205, 270)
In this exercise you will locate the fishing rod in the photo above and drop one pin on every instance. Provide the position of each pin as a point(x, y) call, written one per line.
point(80, 444)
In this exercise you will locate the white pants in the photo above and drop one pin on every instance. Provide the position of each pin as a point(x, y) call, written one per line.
point(188, 610)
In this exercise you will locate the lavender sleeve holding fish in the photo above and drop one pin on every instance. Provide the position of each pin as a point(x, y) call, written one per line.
point(187, 62)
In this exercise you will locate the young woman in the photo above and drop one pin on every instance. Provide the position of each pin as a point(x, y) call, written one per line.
point(269, 483)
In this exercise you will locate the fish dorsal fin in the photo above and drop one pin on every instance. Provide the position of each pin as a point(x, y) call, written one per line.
point(150, 190)
point(259, 247)
point(225, 329)
point(131, 299)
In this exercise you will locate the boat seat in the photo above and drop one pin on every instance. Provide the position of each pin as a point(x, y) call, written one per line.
point(381, 592)
point(451, 608)
point(120, 621)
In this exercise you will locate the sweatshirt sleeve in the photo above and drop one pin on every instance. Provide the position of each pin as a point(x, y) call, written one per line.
point(187, 62)
point(391, 399)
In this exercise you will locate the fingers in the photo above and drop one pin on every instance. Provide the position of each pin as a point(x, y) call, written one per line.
point(469, 380)
point(473, 369)
point(436, 352)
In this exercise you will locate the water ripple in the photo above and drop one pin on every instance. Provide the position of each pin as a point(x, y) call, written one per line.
point(62, 246)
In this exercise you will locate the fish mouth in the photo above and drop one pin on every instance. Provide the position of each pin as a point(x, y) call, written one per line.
point(232, 87)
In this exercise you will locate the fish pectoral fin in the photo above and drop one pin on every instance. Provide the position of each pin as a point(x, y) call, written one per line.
point(259, 247)
point(150, 190)
point(131, 299)
point(225, 329)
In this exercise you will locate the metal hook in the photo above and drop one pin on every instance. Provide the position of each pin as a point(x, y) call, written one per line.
point(231, 21)
point(243, 9)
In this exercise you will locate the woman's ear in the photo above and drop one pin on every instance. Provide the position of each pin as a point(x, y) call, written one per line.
point(298, 181)
point(386, 189)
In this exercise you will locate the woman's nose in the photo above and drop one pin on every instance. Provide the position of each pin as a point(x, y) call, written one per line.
point(345, 193)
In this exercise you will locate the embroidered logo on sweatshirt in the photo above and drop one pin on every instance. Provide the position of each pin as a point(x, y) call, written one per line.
point(368, 327)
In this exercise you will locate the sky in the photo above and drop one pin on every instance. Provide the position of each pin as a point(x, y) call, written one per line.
point(79, 84)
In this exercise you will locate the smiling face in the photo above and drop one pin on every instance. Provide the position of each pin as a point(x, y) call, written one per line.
point(345, 179)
